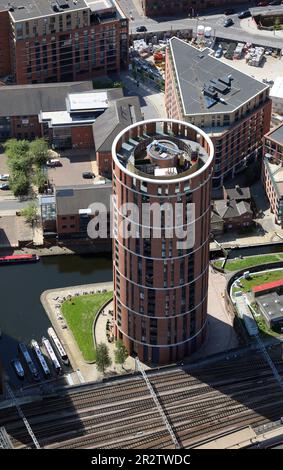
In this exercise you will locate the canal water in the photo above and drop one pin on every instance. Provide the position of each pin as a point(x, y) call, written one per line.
point(22, 317)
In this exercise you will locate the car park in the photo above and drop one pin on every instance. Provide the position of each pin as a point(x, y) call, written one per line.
point(244, 14)
point(228, 22)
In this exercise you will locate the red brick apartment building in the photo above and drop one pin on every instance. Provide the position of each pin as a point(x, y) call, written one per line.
point(233, 108)
point(61, 40)
point(186, 7)
point(272, 171)
point(160, 285)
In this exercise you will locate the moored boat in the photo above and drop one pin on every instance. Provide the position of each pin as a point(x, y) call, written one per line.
point(40, 357)
point(51, 354)
point(18, 368)
point(12, 259)
point(57, 343)
point(30, 364)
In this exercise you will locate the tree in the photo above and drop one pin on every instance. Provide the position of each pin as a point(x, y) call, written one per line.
point(120, 353)
point(30, 212)
point(103, 360)
point(19, 183)
point(39, 179)
point(16, 148)
point(19, 164)
point(39, 152)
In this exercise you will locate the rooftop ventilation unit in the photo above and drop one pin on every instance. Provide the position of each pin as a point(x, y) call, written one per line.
point(226, 79)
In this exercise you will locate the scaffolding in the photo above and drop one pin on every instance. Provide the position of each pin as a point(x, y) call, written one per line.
point(158, 405)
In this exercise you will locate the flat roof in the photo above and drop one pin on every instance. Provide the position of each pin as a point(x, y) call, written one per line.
point(88, 101)
point(277, 88)
point(63, 118)
point(271, 306)
point(27, 9)
point(21, 10)
point(196, 69)
point(276, 134)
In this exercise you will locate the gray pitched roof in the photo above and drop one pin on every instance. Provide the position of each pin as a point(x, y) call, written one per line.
point(29, 100)
point(232, 209)
point(238, 193)
point(121, 113)
point(70, 199)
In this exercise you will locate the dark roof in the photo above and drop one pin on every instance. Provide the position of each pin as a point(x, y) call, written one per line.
point(232, 209)
point(27, 9)
point(276, 134)
point(70, 199)
point(238, 193)
point(196, 69)
point(120, 114)
point(29, 100)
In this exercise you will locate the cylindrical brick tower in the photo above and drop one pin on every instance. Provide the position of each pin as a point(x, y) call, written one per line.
point(162, 170)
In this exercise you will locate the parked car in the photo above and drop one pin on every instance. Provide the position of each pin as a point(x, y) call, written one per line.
point(219, 52)
point(275, 2)
point(141, 29)
point(4, 186)
point(88, 174)
point(244, 14)
point(228, 22)
point(229, 11)
point(4, 177)
point(262, 4)
point(54, 162)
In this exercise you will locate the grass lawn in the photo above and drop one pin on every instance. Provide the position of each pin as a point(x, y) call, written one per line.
point(249, 261)
point(79, 313)
point(257, 279)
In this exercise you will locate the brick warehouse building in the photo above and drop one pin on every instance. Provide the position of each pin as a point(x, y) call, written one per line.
point(160, 287)
point(186, 7)
point(61, 40)
point(272, 171)
point(233, 108)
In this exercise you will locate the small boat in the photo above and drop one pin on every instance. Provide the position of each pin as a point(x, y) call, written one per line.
point(30, 364)
point(41, 359)
point(51, 354)
point(18, 259)
point(18, 368)
point(57, 343)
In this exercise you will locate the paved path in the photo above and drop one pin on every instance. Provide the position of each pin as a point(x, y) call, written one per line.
point(221, 335)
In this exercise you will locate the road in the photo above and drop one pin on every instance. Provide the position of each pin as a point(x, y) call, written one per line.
point(151, 100)
point(12, 205)
point(213, 18)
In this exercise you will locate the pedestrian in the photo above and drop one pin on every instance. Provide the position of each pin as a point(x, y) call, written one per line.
point(138, 83)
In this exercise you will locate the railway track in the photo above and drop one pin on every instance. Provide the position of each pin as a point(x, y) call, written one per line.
point(123, 415)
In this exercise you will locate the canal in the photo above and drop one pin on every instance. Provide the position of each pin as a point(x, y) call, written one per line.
point(22, 316)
